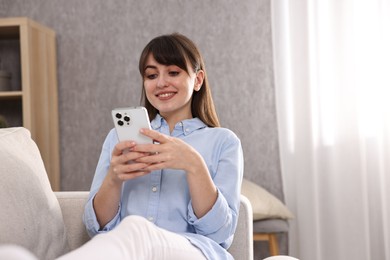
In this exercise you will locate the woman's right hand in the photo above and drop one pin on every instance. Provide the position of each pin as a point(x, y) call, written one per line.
point(123, 166)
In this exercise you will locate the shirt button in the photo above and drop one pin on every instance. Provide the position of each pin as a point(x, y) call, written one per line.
point(150, 218)
point(187, 130)
point(154, 189)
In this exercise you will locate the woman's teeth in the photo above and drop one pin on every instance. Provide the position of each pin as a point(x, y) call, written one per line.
point(165, 95)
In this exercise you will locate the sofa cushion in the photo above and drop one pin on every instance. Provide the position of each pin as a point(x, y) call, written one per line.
point(30, 214)
point(272, 225)
point(264, 204)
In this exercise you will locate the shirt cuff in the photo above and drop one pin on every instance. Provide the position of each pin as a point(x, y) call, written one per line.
point(91, 223)
point(214, 220)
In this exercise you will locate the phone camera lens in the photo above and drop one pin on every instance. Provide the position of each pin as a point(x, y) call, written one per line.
point(126, 118)
point(118, 115)
point(120, 122)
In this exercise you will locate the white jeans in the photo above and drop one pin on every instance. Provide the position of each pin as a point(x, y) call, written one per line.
point(137, 238)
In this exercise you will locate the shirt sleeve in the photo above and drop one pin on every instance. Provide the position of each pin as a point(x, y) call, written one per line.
point(91, 223)
point(220, 222)
point(89, 217)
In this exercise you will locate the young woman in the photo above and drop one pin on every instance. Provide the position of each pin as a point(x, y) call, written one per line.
point(179, 197)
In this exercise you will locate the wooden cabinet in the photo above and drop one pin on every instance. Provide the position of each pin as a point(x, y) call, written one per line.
point(28, 52)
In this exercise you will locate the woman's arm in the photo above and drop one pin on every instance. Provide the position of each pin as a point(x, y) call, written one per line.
point(176, 154)
point(107, 199)
point(215, 197)
point(202, 189)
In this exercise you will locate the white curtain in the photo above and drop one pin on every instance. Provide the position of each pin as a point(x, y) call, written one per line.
point(332, 76)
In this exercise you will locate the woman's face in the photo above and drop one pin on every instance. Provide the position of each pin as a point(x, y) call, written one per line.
point(169, 88)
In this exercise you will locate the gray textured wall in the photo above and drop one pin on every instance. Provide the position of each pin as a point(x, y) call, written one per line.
point(98, 46)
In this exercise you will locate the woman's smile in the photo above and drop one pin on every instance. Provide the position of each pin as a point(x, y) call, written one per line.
point(165, 95)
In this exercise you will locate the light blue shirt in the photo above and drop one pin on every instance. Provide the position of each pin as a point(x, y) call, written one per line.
point(163, 197)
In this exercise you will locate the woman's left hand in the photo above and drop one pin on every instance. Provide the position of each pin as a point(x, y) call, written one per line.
point(174, 153)
point(170, 152)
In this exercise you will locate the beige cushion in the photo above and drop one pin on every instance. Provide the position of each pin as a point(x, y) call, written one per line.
point(30, 214)
point(264, 204)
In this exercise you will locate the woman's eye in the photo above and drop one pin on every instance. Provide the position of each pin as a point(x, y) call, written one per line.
point(174, 73)
point(151, 76)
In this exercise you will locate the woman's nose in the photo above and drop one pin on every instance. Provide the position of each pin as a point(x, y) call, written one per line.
point(161, 82)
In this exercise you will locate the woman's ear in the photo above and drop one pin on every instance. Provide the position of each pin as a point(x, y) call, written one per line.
point(199, 77)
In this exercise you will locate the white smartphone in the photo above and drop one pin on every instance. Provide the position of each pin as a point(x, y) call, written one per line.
point(128, 121)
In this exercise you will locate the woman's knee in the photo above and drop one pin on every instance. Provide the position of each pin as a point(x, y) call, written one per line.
point(134, 220)
point(135, 224)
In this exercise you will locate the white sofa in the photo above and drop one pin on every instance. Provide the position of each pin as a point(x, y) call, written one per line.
point(48, 223)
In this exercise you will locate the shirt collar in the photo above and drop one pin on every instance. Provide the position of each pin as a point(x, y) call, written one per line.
point(185, 127)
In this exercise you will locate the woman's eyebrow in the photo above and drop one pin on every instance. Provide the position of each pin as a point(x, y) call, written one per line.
point(150, 67)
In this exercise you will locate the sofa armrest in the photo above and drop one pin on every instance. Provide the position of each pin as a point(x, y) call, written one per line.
point(242, 246)
point(72, 207)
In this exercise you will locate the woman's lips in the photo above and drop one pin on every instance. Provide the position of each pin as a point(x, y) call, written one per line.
point(165, 95)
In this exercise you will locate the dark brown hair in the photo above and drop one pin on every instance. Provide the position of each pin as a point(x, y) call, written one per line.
point(177, 49)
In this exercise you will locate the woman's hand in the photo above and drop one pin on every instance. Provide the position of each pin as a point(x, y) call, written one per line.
point(176, 154)
point(124, 165)
point(170, 152)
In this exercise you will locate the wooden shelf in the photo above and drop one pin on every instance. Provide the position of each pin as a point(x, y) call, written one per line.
point(32, 49)
point(10, 94)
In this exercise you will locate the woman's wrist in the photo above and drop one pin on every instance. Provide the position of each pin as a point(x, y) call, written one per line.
point(197, 165)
